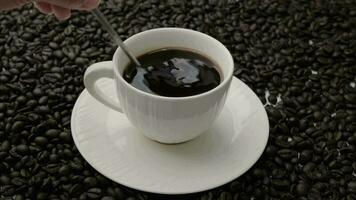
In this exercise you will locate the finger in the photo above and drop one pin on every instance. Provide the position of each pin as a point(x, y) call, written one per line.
point(60, 12)
point(90, 4)
point(69, 4)
point(7, 5)
point(44, 7)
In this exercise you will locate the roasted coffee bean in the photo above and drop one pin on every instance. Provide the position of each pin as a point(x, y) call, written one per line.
point(4, 180)
point(76, 166)
point(41, 141)
point(58, 54)
point(302, 188)
point(318, 115)
point(22, 148)
point(286, 153)
point(53, 158)
point(102, 180)
point(94, 193)
point(42, 156)
point(3, 155)
point(64, 170)
point(90, 181)
point(305, 156)
point(66, 153)
point(280, 184)
point(41, 196)
point(5, 145)
point(80, 61)
point(107, 198)
point(75, 189)
point(308, 167)
point(258, 173)
point(43, 100)
point(65, 136)
point(351, 186)
point(18, 181)
point(19, 197)
point(52, 133)
point(53, 45)
point(17, 126)
point(3, 107)
point(42, 110)
point(350, 97)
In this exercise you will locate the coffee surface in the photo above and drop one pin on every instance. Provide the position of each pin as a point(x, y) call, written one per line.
point(173, 72)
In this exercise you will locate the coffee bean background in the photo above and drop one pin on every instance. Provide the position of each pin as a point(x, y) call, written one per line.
point(298, 56)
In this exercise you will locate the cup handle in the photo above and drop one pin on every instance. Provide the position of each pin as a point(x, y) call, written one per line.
point(95, 72)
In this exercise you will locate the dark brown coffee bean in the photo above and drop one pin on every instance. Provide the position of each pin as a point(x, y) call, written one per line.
point(5, 145)
point(76, 166)
point(17, 126)
point(53, 45)
point(18, 181)
point(42, 156)
point(94, 193)
point(350, 97)
point(19, 197)
point(271, 150)
point(81, 61)
point(65, 136)
point(53, 158)
point(287, 153)
point(90, 181)
point(302, 188)
point(305, 156)
point(107, 198)
point(41, 196)
point(43, 100)
point(75, 189)
point(41, 141)
point(58, 54)
point(22, 148)
point(42, 110)
point(37, 92)
point(67, 153)
point(4, 180)
point(3, 107)
point(64, 170)
point(351, 186)
point(52, 133)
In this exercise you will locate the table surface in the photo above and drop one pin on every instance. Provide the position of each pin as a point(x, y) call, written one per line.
point(297, 56)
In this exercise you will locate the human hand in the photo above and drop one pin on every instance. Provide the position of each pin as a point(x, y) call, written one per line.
point(60, 8)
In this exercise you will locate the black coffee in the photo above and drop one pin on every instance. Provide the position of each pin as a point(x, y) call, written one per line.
point(173, 73)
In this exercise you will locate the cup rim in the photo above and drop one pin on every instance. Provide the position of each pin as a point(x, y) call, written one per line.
point(155, 96)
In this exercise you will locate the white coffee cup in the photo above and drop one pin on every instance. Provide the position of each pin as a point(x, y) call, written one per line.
point(164, 119)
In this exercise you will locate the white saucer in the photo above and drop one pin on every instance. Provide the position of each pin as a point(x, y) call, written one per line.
point(113, 147)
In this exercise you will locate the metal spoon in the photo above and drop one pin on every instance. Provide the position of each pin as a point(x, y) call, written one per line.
point(106, 25)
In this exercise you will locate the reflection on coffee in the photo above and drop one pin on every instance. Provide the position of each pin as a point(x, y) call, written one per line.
point(173, 72)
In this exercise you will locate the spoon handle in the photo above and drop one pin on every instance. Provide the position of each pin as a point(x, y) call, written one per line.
point(101, 18)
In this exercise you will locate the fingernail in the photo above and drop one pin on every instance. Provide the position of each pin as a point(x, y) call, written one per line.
point(63, 17)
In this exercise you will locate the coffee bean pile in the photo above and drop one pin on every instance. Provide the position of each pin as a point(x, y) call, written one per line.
point(298, 56)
